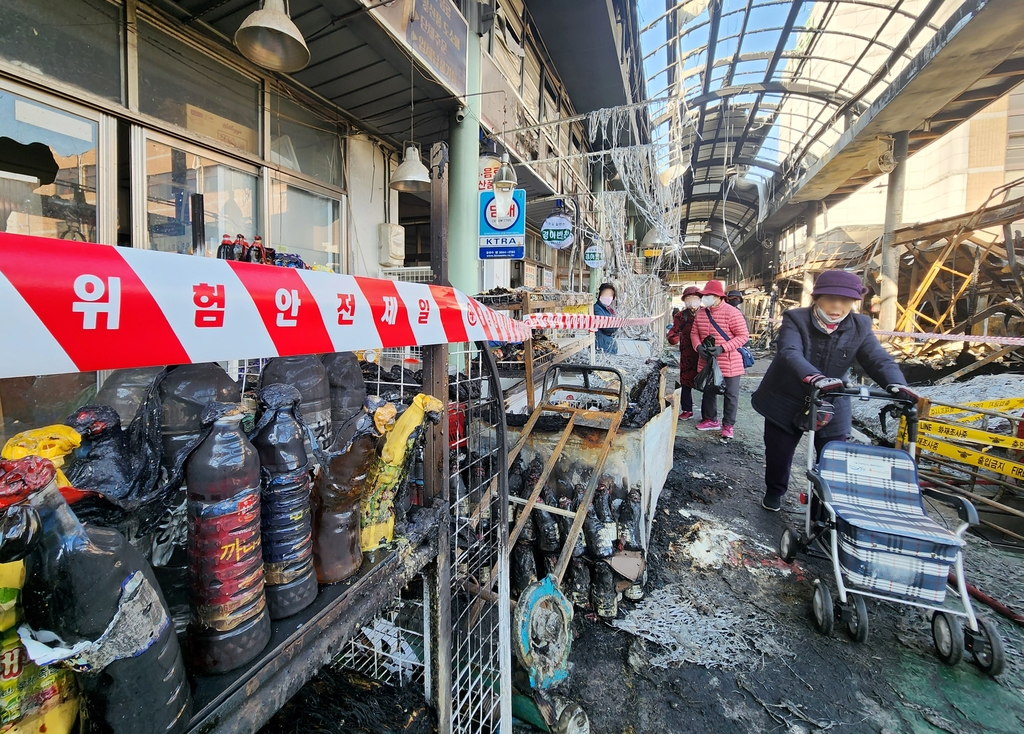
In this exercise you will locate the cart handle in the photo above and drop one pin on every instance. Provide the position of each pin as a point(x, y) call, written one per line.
point(585, 371)
point(908, 405)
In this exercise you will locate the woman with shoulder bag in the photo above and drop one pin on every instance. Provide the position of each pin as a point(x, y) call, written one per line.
point(816, 346)
point(726, 325)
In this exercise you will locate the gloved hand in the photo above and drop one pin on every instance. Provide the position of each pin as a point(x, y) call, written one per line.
point(824, 384)
point(709, 352)
point(904, 392)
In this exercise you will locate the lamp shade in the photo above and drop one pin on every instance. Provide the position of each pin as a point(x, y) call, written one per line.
point(653, 239)
point(270, 39)
point(411, 176)
point(504, 184)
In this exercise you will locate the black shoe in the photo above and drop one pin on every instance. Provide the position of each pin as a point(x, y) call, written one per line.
point(772, 502)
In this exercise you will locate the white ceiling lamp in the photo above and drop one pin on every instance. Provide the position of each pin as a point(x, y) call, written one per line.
point(653, 240)
point(270, 39)
point(411, 176)
point(504, 183)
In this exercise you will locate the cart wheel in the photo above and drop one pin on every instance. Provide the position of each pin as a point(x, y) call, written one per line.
point(988, 652)
point(788, 545)
point(824, 612)
point(948, 635)
point(857, 627)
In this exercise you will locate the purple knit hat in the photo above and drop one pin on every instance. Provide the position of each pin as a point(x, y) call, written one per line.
point(841, 283)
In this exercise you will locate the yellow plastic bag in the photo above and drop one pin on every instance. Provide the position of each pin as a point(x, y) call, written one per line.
point(52, 442)
point(33, 699)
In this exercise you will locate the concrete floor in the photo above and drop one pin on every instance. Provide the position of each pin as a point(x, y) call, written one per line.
point(752, 659)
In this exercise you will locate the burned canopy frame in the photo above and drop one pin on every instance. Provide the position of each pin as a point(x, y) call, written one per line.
point(768, 86)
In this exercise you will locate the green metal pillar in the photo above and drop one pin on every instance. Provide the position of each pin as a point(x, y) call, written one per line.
point(464, 175)
point(597, 187)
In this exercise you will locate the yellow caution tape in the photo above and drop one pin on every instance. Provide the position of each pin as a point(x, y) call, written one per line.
point(971, 458)
point(1002, 404)
point(969, 435)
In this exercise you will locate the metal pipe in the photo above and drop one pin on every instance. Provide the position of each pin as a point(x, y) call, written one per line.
point(889, 281)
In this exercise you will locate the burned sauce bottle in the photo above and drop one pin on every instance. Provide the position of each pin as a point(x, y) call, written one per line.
point(347, 388)
point(285, 515)
point(229, 624)
point(308, 375)
point(336, 550)
point(93, 590)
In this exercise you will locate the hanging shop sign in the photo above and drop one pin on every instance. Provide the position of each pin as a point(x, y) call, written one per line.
point(438, 36)
point(529, 275)
point(489, 165)
point(557, 232)
point(593, 256)
point(503, 234)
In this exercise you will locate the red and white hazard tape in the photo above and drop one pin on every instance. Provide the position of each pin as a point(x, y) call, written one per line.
point(929, 336)
point(580, 322)
point(974, 338)
point(73, 307)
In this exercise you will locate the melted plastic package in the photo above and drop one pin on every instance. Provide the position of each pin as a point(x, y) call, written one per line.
point(285, 515)
point(125, 390)
point(348, 388)
point(377, 505)
point(229, 624)
point(98, 595)
point(336, 550)
point(308, 375)
point(185, 392)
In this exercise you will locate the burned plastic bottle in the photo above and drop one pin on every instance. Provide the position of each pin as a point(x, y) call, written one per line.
point(309, 376)
point(185, 392)
point(579, 546)
point(599, 541)
point(524, 566)
point(336, 550)
point(229, 624)
point(87, 584)
point(602, 591)
point(629, 522)
point(549, 539)
point(347, 387)
point(577, 583)
point(286, 520)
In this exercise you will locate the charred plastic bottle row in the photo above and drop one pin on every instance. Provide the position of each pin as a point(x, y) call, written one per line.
point(612, 524)
point(259, 532)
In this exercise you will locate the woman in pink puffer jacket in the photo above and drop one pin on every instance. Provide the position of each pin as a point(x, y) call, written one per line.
point(730, 321)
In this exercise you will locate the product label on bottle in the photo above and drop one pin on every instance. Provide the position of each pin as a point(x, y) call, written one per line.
point(225, 561)
point(287, 529)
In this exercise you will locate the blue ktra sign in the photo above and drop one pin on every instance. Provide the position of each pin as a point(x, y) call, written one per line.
point(503, 234)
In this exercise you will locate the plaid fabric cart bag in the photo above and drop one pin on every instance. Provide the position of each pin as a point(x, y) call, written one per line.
point(886, 541)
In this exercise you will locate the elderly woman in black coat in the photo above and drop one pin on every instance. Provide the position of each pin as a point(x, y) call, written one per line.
point(816, 347)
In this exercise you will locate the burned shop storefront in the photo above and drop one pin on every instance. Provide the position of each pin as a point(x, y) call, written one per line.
point(234, 451)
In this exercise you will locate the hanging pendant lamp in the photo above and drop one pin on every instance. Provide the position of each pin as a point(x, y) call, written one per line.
point(411, 176)
point(504, 183)
point(270, 39)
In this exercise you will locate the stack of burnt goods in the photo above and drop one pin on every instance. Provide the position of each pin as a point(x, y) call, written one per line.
point(243, 513)
point(607, 557)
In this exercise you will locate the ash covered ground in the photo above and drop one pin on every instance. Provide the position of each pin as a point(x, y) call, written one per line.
point(724, 640)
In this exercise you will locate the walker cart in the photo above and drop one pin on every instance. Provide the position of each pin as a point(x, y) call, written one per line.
point(866, 515)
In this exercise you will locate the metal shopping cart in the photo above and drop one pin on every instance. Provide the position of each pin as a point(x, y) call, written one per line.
point(865, 514)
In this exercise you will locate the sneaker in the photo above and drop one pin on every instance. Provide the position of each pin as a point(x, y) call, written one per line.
point(772, 502)
point(708, 425)
point(686, 415)
point(727, 432)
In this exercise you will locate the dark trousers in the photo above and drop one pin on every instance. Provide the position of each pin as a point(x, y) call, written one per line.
point(685, 399)
point(779, 449)
point(709, 403)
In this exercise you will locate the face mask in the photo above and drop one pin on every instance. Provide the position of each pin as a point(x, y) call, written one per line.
point(826, 319)
point(606, 300)
point(693, 304)
point(707, 301)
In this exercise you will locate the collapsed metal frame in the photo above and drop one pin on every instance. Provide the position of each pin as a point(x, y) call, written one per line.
point(722, 127)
